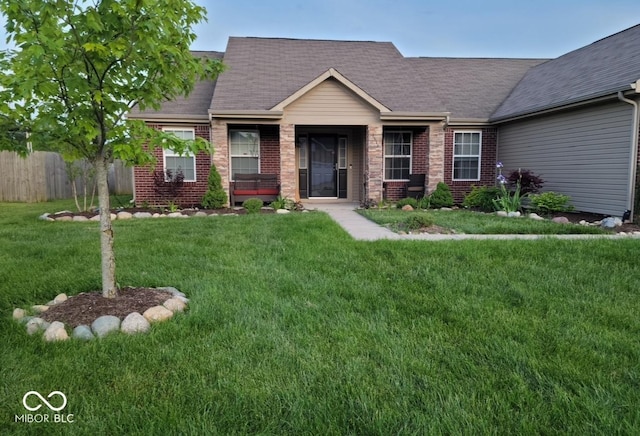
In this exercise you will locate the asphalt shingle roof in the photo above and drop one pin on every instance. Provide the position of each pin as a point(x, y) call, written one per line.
point(262, 72)
point(599, 69)
point(265, 71)
point(195, 105)
point(470, 88)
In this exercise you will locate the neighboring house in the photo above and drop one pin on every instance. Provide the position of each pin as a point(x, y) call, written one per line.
point(352, 120)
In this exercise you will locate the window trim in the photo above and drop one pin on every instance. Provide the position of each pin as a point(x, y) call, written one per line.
point(454, 156)
point(384, 154)
point(231, 155)
point(167, 152)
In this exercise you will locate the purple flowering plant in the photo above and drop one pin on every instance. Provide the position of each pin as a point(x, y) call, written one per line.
point(507, 201)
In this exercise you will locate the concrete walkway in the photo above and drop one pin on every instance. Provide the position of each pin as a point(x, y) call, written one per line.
point(363, 229)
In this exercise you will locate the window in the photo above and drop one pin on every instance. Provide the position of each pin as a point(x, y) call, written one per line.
point(186, 163)
point(245, 152)
point(466, 155)
point(397, 155)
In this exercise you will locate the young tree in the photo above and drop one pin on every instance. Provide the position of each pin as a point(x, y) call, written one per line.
point(77, 69)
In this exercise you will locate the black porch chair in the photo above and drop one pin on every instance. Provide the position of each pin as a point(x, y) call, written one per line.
point(415, 188)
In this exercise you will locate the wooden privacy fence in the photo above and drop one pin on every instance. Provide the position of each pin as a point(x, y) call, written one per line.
point(42, 176)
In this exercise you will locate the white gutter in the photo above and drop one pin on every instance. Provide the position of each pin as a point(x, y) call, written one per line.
point(633, 164)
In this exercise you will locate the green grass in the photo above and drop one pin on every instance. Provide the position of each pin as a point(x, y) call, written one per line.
point(295, 328)
point(462, 221)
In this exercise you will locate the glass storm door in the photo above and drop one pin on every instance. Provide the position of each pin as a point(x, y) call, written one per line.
point(323, 172)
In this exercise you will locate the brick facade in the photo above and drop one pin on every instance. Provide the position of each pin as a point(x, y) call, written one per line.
point(487, 162)
point(396, 190)
point(270, 149)
point(432, 154)
point(190, 194)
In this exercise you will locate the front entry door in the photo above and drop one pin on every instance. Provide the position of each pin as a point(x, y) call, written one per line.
point(323, 169)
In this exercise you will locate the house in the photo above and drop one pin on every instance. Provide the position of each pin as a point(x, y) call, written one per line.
point(353, 120)
point(574, 119)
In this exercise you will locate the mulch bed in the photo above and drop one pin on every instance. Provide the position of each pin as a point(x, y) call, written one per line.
point(84, 308)
point(576, 217)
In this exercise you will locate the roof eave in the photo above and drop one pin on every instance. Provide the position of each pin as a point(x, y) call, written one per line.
point(252, 114)
point(609, 95)
point(162, 117)
point(414, 116)
point(469, 122)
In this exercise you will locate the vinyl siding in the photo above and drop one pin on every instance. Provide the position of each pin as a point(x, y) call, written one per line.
point(583, 153)
point(330, 103)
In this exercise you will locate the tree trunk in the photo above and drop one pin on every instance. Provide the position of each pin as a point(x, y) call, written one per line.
point(109, 289)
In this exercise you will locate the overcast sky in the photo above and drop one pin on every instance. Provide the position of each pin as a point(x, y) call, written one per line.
point(460, 28)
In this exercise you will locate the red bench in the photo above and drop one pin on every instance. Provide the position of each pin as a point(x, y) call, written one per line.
point(262, 186)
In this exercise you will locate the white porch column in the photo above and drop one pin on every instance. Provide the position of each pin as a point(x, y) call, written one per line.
point(288, 161)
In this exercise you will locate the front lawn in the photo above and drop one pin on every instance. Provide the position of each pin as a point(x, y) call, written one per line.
point(464, 221)
point(295, 328)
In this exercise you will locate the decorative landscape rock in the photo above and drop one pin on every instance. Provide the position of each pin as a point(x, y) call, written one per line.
point(142, 215)
point(135, 323)
point(173, 291)
point(55, 332)
point(39, 308)
point(124, 215)
point(501, 213)
point(407, 208)
point(157, 314)
point(105, 325)
point(536, 217)
point(18, 314)
point(175, 305)
point(60, 298)
point(283, 211)
point(82, 332)
point(611, 222)
point(515, 214)
point(35, 325)
point(561, 220)
point(80, 218)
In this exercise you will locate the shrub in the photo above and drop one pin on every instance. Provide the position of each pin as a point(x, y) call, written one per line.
point(168, 184)
point(410, 201)
point(548, 202)
point(283, 203)
point(417, 221)
point(441, 197)
point(529, 182)
point(481, 197)
point(215, 197)
point(425, 202)
point(252, 205)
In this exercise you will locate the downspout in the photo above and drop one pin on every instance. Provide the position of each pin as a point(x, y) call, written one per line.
point(633, 164)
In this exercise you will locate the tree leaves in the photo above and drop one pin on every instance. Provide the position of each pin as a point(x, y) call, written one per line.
point(81, 65)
